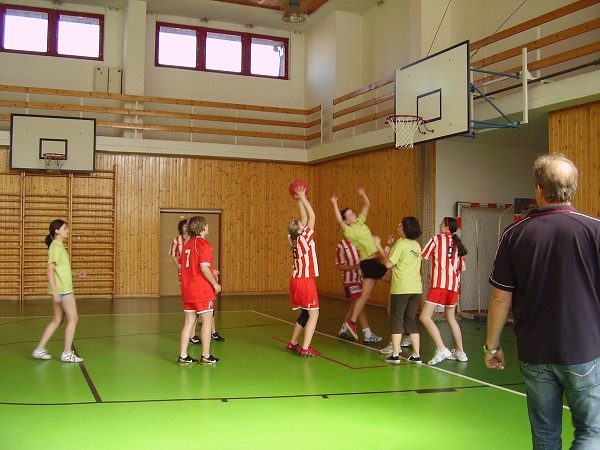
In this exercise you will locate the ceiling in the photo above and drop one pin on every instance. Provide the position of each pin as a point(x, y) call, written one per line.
point(310, 5)
point(258, 13)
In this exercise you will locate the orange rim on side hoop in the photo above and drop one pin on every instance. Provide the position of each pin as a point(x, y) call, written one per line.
point(405, 126)
point(54, 162)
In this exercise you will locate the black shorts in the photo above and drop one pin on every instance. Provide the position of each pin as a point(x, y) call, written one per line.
point(372, 268)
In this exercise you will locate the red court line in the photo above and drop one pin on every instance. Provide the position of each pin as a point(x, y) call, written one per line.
point(348, 366)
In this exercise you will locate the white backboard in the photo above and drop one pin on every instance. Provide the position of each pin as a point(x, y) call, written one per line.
point(31, 136)
point(437, 89)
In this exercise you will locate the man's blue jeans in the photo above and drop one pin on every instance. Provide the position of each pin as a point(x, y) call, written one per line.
point(546, 384)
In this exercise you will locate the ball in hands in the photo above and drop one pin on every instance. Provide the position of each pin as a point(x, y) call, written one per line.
point(294, 185)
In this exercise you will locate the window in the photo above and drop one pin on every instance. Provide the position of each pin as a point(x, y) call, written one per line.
point(221, 51)
point(178, 47)
point(78, 36)
point(268, 57)
point(51, 32)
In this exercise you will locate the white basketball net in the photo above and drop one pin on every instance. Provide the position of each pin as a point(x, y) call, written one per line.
point(405, 128)
point(54, 162)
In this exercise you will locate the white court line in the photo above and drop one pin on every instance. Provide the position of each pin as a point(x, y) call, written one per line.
point(475, 380)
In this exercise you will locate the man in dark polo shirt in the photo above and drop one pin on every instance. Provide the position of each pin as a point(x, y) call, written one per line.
point(548, 269)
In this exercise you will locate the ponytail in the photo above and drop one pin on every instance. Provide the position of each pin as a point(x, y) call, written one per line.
point(452, 225)
point(462, 250)
point(55, 225)
point(293, 233)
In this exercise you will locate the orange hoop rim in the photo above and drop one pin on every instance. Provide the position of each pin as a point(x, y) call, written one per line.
point(410, 118)
point(55, 156)
point(405, 118)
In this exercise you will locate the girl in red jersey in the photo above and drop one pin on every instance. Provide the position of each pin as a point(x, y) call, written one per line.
point(447, 253)
point(303, 291)
point(199, 287)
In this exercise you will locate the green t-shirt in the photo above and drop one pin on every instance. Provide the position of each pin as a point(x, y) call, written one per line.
point(63, 275)
point(406, 273)
point(362, 238)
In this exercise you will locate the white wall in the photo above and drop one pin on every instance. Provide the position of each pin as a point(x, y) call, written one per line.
point(64, 73)
point(321, 67)
point(386, 38)
point(191, 84)
point(470, 172)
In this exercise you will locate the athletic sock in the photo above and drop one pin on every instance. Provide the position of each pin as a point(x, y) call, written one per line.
point(367, 332)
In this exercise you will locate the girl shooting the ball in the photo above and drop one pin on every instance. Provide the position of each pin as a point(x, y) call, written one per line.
point(303, 291)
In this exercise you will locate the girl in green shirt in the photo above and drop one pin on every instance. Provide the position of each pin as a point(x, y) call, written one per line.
point(60, 287)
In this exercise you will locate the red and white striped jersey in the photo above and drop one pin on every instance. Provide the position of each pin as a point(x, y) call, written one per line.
point(446, 264)
point(176, 246)
point(346, 254)
point(305, 255)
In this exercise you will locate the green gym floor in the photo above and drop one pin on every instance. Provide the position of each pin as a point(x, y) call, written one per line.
point(130, 394)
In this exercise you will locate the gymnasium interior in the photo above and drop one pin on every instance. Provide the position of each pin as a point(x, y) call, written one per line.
point(165, 112)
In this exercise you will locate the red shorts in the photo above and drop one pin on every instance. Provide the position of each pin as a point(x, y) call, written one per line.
point(303, 293)
point(442, 297)
point(199, 306)
point(352, 290)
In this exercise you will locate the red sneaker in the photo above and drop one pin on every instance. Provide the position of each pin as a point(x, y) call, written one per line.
point(293, 347)
point(352, 328)
point(309, 352)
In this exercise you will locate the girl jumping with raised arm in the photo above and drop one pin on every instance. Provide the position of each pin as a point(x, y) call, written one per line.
point(303, 291)
point(358, 233)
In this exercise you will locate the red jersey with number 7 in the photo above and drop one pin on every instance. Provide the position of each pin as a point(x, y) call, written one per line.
point(196, 253)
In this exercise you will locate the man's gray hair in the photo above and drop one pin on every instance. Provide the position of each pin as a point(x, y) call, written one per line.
point(557, 175)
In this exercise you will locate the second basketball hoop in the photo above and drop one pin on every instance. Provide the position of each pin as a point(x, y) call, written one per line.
point(405, 126)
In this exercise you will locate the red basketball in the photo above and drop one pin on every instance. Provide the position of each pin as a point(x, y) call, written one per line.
point(296, 184)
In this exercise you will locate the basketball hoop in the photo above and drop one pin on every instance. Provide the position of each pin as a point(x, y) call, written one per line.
point(54, 162)
point(405, 126)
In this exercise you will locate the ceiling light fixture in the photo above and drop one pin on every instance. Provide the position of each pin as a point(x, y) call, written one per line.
point(293, 11)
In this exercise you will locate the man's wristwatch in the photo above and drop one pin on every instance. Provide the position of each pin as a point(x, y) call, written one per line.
point(493, 351)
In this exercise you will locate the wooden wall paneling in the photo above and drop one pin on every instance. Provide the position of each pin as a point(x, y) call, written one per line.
point(255, 205)
point(256, 209)
point(45, 198)
point(11, 238)
point(575, 132)
point(93, 233)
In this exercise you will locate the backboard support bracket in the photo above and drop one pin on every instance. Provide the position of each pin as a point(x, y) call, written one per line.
point(524, 75)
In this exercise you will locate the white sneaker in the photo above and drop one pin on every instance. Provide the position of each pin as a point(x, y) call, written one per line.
point(405, 341)
point(70, 357)
point(373, 339)
point(41, 353)
point(387, 350)
point(458, 356)
point(343, 329)
point(439, 355)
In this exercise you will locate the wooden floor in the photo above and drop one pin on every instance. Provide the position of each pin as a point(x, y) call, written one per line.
point(130, 394)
